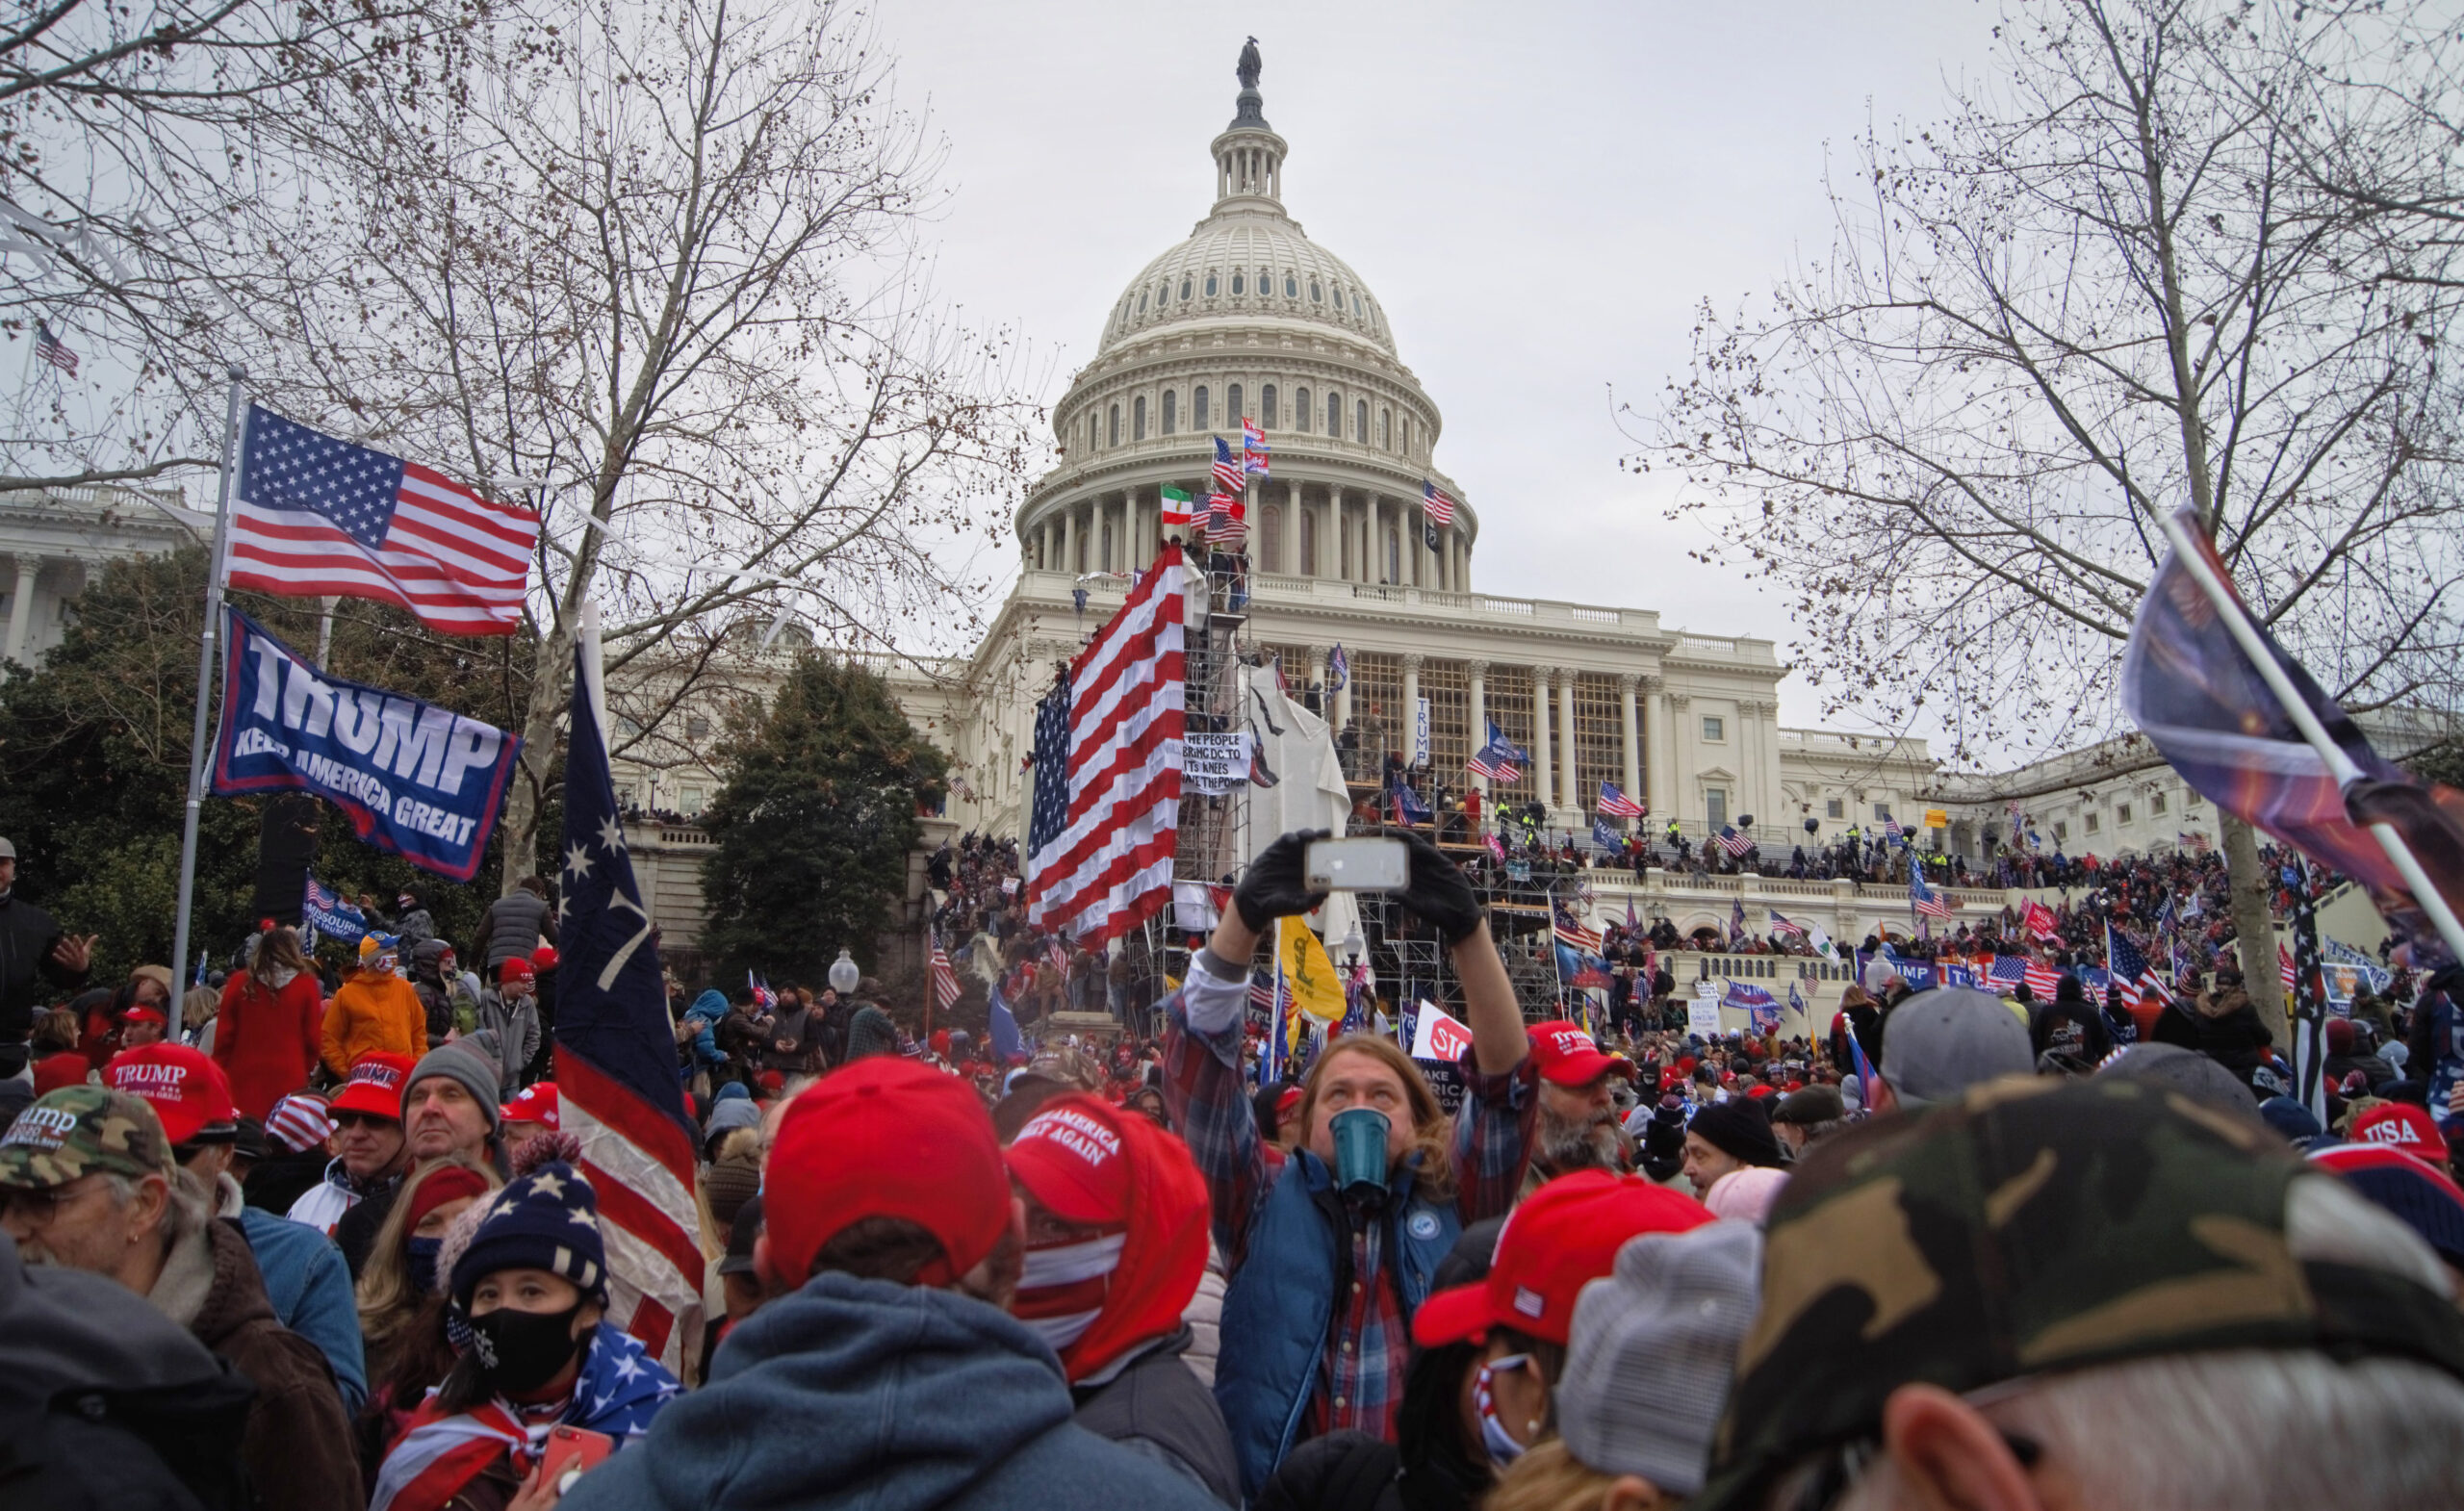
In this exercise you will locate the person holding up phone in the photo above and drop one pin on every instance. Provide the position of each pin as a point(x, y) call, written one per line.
point(528, 1296)
point(1333, 1250)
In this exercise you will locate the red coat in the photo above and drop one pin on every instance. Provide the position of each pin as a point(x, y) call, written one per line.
point(266, 1041)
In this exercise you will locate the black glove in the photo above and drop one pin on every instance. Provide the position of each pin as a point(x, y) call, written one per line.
point(1437, 892)
point(1275, 884)
point(1664, 1152)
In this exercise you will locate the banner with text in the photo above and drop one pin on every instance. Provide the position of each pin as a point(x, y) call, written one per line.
point(423, 782)
point(325, 912)
point(1213, 764)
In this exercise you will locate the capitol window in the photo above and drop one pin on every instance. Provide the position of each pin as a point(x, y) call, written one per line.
point(2091, 820)
point(2156, 802)
point(1835, 809)
point(1300, 411)
point(1185, 291)
point(1141, 302)
point(1360, 414)
point(1113, 427)
point(1162, 292)
point(1291, 287)
point(1266, 407)
point(1236, 283)
point(1714, 728)
point(1355, 304)
point(1198, 407)
point(1137, 418)
point(1172, 411)
point(2121, 813)
point(1210, 286)
point(1335, 416)
point(1386, 428)
point(1314, 293)
point(1232, 410)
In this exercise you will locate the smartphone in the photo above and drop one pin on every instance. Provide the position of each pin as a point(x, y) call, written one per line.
point(1356, 865)
point(571, 1452)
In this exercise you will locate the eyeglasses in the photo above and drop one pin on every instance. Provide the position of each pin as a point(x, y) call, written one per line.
point(33, 1208)
point(349, 1120)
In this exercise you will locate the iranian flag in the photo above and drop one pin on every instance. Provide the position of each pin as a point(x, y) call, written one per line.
point(1176, 508)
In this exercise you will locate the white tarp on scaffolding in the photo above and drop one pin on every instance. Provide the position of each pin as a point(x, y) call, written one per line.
point(1299, 784)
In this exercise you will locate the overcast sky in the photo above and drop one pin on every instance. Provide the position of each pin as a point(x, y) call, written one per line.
point(1539, 194)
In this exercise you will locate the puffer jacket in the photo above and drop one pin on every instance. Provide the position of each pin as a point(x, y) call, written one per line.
point(513, 926)
point(296, 1443)
point(375, 1010)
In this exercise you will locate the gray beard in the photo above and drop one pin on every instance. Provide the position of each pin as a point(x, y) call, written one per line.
point(1567, 1146)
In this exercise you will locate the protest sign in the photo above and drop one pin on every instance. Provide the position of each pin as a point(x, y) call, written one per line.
point(423, 782)
point(1213, 764)
point(1437, 1037)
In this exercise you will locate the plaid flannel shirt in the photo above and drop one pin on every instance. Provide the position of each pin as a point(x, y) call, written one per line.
point(1360, 1374)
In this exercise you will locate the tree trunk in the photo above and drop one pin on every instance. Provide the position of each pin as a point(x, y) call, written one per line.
point(2253, 928)
point(518, 828)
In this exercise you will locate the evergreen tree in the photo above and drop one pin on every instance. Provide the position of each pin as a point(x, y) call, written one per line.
point(814, 823)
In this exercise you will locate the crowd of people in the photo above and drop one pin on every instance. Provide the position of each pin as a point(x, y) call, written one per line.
point(1961, 1251)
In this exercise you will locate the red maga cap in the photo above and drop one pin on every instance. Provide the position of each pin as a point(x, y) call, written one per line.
point(1564, 1054)
point(375, 1086)
point(1564, 1235)
point(1070, 1159)
point(188, 1091)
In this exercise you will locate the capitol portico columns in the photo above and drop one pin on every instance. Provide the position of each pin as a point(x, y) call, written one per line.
point(1570, 769)
point(21, 605)
point(1411, 720)
point(1475, 677)
point(1068, 539)
point(1659, 760)
point(1541, 677)
point(1626, 681)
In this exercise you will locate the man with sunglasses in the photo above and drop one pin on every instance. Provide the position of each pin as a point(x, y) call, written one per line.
point(371, 1152)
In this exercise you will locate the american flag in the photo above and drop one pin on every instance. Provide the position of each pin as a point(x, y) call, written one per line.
point(2042, 979)
point(314, 516)
point(1108, 769)
point(1174, 508)
point(1616, 805)
point(1500, 760)
point(1570, 932)
point(1928, 901)
point(1058, 951)
point(1434, 503)
point(1338, 670)
point(1891, 829)
point(1253, 447)
point(945, 977)
point(616, 1050)
point(1781, 923)
point(1225, 519)
point(1730, 840)
point(49, 347)
point(2126, 968)
point(1227, 468)
point(2008, 970)
point(2284, 968)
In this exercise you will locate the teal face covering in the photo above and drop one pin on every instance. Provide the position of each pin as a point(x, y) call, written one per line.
point(1360, 1147)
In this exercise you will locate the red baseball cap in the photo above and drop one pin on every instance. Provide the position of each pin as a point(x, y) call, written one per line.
point(538, 1104)
point(2401, 1125)
point(1070, 1159)
point(375, 1086)
point(886, 1137)
point(153, 1016)
point(1565, 1054)
point(187, 1091)
point(1564, 1235)
point(517, 969)
point(544, 957)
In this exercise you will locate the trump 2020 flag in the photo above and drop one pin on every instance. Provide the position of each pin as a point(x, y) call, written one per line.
point(616, 1051)
point(315, 516)
point(423, 782)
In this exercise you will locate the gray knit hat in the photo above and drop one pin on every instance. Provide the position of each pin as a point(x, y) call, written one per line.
point(1653, 1345)
point(453, 1061)
point(869, 1032)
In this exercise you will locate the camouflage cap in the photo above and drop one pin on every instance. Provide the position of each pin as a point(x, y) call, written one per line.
point(2034, 1225)
point(79, 1131)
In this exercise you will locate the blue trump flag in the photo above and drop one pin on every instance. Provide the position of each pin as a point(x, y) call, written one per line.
point(616, 1050)
point(323, 909)
point(423, 782)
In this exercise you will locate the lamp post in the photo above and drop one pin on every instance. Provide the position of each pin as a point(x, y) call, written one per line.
point(845, 975)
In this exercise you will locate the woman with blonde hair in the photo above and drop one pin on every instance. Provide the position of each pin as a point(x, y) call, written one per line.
point(401, 1309)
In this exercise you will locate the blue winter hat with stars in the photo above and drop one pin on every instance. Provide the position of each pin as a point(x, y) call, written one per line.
point(546, 1219)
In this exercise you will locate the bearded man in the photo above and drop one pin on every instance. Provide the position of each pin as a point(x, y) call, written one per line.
point(1578, 1127)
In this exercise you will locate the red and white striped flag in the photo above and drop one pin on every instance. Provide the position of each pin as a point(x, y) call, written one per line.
point(1434, 503)
point(1106, 817)
point(314, 516)
point(945, 977)
point(2041, 980)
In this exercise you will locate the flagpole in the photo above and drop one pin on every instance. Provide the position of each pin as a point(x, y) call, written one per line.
point(2298, 708)
point(207, 636)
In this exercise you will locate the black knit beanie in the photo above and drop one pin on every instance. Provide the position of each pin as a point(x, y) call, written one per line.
point(1740, 1128)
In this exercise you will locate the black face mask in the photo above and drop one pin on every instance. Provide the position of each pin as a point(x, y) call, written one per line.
point(521, 1351)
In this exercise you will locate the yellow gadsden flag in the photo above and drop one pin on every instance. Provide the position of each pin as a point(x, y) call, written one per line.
point(1307, 971)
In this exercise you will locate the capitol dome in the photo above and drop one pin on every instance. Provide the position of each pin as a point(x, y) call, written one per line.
point(1247, 318)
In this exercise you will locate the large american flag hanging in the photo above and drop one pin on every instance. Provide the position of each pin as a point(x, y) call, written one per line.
point(1434, 503)
point(945, 977)
point(1227, 476)
point(1106, 819)
point(616, 1050)
point(1930, 902)
point(314, 516)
